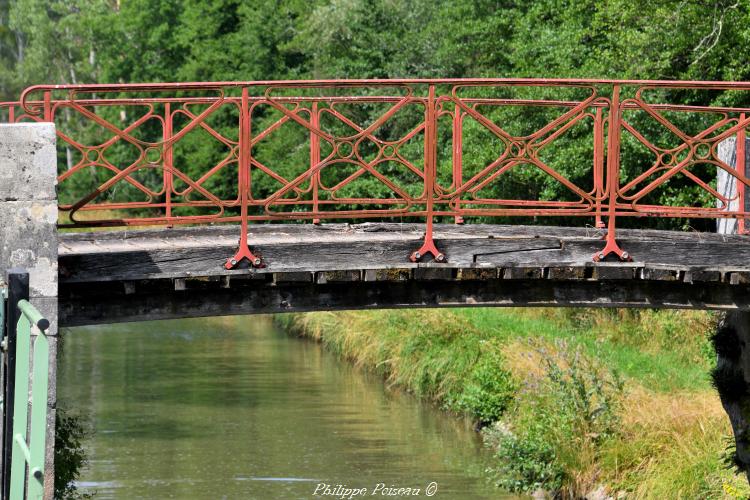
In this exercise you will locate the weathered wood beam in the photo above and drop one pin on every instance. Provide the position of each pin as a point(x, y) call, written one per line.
point(177, 253)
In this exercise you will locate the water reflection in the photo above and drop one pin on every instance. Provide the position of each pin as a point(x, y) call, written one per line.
point(231, 408)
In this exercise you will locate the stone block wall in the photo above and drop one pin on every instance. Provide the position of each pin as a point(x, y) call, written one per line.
point(28, 234)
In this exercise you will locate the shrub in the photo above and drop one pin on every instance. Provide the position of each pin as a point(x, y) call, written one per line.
point(70, 456)
point(488, 390)
point(527, 461)
point(552, 438)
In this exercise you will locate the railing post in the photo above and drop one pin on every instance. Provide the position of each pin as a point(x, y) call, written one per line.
point(18, 289)
point(430, 169)
point(29, 439)
point(613, 179)
point(741, 170)
point(458, 122)
point(167, 160)
point(598, 165)
point(244, 186)
point(315, 156)
point(48, 117)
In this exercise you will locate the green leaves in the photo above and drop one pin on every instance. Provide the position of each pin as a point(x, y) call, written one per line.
point(489, 388)
point(561, 420)
point(150, 40)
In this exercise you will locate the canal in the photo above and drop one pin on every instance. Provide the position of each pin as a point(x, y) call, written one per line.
point(234, 408)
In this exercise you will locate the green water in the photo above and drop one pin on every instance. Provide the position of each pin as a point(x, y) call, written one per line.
point(232, 408)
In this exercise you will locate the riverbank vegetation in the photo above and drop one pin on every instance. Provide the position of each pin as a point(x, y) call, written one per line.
point(569, 401)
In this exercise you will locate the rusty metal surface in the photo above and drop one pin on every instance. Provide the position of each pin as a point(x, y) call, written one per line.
point(384, 149)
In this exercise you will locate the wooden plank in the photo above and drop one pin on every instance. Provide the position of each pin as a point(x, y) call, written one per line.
point(567, 272)
point(477, 273)
point(387, 274)
point(192, 252)
point(264, 233)
point(293, 277)
point(337, 276)
point(522, 273)
point(614, 272)
point(660, 274)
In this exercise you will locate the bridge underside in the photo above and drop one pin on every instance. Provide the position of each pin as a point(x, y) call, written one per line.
point(118, 276)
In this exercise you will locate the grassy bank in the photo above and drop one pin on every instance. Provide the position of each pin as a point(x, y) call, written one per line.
point(569, 400)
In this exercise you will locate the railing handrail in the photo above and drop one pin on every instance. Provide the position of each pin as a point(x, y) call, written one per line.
point(33, 315)
point(514, 102)
point(389, 81)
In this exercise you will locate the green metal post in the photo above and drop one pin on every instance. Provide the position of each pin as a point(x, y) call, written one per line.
point(20, 408)
point(33, 453)
point(39, 416)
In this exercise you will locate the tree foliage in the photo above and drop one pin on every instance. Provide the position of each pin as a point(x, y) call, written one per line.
point(88, 41)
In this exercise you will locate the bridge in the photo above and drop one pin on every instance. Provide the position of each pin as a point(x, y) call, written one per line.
point(195, 199)
point(391, 150)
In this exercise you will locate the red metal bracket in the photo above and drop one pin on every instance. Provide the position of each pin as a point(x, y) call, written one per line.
point(428, 247)
point(612, 247)
point(244, 253)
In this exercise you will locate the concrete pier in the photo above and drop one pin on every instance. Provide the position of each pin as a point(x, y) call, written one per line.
point(28, 235)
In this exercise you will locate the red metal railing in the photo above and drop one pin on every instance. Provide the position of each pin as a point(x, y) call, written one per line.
point(386, 149)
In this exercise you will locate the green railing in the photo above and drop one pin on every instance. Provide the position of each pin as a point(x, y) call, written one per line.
point(27, 340)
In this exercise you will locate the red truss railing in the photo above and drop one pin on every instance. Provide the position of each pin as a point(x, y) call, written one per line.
point(189, 153)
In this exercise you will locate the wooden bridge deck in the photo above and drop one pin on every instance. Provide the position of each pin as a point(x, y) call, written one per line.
point(162, 273)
